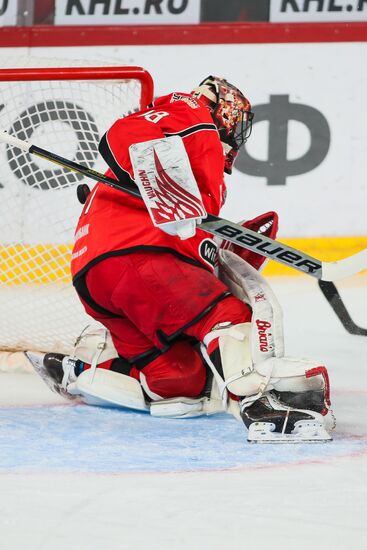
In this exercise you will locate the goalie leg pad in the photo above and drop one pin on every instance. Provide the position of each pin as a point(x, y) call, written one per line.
point(234, 369)
point(106, 388)
point(251, 356)
point(299, 382)
point(267, 318)
point(246, 349)
point(184, 407)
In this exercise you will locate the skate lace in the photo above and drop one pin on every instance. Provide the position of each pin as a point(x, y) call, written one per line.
point(68, 366)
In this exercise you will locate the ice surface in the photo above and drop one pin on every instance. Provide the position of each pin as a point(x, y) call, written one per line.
point(77, 477)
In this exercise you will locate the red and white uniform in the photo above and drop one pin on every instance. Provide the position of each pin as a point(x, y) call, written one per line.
point(147, 287)
point(113, 222)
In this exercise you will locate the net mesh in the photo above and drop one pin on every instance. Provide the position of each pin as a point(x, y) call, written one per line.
point(38, 204)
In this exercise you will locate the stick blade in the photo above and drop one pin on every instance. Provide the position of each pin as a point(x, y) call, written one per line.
point(333, 297)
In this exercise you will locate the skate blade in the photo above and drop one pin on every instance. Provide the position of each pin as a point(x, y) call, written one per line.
point(304, 432)
point(36, 360)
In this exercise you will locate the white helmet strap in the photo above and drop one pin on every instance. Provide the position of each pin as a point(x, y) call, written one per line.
point(206, 92)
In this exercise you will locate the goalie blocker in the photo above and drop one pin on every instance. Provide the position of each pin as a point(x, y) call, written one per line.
point(163, 174)
point(280, 399)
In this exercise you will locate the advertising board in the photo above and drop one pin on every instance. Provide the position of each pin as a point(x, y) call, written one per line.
point(8, 13)
point(127, 12)
point(306, 155)
point(317, 11)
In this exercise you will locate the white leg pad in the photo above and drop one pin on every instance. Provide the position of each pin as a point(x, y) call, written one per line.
point(249, 380)
point(292, 374)
point(267, 319)
point(239, 373)
point(184, 407)
point(241, 376)
point(106, 388)
point(252, 355)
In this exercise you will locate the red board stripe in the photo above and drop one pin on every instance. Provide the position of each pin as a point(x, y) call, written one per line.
point(233, 33)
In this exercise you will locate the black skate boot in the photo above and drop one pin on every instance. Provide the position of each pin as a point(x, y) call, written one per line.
point(271, 421)
point(56, 369)
point(312, 400)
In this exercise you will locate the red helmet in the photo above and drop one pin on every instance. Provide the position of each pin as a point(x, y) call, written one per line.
point(231, 112)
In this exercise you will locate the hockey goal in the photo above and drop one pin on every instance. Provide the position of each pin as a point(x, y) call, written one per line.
point(66, 110)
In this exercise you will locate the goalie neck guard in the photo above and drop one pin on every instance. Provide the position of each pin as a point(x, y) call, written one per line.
point(231, 112)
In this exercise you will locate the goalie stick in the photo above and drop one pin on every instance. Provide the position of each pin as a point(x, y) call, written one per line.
point(333, 297)
point(275, 250)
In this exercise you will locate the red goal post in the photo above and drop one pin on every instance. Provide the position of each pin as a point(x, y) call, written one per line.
point(65, 109)
point(84, 73)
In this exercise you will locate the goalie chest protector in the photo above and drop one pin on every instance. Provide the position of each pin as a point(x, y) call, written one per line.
point(114, 222)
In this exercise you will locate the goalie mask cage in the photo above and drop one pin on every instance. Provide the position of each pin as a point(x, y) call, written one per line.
point(65, 110)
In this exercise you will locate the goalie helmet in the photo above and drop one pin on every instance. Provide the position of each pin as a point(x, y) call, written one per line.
point(231, 112)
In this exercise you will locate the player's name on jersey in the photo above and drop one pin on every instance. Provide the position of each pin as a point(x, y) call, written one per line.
point(296, 11)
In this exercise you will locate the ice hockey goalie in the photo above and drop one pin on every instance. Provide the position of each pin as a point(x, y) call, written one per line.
point(188, 330)
point(238, 367)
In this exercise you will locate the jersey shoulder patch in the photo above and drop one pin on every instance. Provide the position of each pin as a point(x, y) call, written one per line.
point(188, 99)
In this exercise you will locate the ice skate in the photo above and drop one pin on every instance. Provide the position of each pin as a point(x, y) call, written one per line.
point(270, 421)
point(56, 369)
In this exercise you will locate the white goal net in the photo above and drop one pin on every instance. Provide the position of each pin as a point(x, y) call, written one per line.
point(65, 110)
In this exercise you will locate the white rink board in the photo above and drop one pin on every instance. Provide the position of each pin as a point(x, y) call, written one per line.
point(327, 201)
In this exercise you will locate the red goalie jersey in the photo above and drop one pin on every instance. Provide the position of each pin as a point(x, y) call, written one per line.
point(114, 223)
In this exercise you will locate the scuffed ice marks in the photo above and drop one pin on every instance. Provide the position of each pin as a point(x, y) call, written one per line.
point(94, 440)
